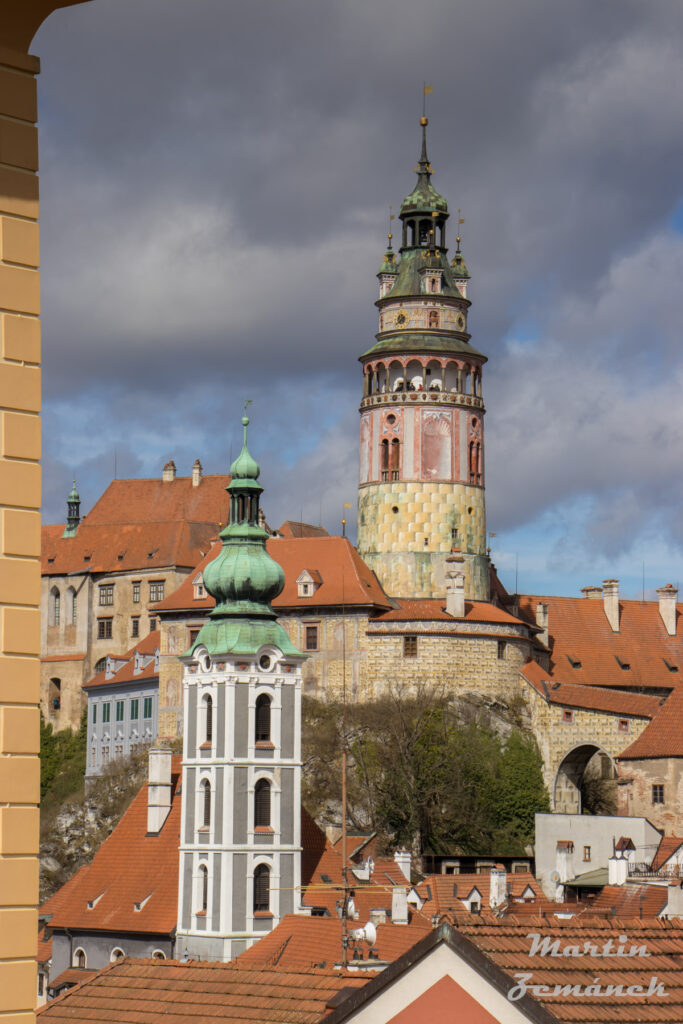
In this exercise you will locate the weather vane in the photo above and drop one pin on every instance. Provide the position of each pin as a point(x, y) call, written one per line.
point(461, 220)
point(426, 89)
point(247, 402)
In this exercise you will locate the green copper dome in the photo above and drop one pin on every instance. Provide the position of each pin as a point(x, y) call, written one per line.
point(243, 579)
point(388, 265)
point(73, 493)
point(459, 267)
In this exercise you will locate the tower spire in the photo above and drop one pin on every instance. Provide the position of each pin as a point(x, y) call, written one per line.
point(73, 512)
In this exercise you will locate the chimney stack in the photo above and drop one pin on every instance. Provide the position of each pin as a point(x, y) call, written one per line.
point(402, 858)
point(399, 905)
point(667, 607)
point(617, 870)
point(168, 475)
point(455, 585)
point(592, 593)
point(158, 789)
point(498, 892)
point(542, 621)
point(196, 473)
point(610, 598)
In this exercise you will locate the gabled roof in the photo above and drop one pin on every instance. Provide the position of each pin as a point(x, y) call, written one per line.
point(317, 942)
point(128, 867)
point(147, 647)
point(138, 525)
point(631, 900)
point(591, 698)
point(666, 849)
point(169, 992)
point(346, 579)
point(663, 737)
point(428, 609)
point(443, 894)
point(291, 529)
point(581, 636)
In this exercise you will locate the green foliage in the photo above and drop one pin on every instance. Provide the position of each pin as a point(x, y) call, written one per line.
point(421, 776)
point(62, 762)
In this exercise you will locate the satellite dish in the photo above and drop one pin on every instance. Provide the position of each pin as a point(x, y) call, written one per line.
point(366, 934)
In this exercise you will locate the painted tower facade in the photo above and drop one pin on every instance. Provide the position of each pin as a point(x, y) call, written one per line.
point(240, 843)
point(421, 486)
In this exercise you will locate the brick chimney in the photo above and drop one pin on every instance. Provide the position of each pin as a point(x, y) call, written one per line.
point(455, 585)
point(168, 475)
point(668, 596)
point(542, 621)
point(158, 788)
point(196, 473)
point(592, 593)
point(610, 599)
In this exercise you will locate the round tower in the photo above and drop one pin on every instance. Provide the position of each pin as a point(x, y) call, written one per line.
point(421, 486)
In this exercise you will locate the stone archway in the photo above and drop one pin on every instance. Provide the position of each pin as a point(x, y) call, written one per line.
point(572, 772)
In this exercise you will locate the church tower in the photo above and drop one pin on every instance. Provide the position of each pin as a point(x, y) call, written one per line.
point(421, 487)
point(240, 842)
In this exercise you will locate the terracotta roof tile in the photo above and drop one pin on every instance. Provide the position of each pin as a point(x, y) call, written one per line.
point(129, 866)
point(444, 894)
point(168, 992)
point(346, 579)
point(127, 674)
point(292, 529)
point(665, 850)
point(631, 900)
point(584, 649)
point(663, 737)
point(411, 610)
point(44, 946)
point(71, 976)
point(140, 524)
point(594, 698)
point(317, 941)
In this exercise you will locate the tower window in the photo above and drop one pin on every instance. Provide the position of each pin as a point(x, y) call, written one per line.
point(261, 889)
point(433, 316)
point(384, 459)
point(262, 804)
point(262, 718)
point(55, 602)
point(208, 718)
point(206, 804)
point(502, 646)
point(203, 888)
point(410, 647)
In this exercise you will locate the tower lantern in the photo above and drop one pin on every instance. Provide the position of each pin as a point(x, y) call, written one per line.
point(73, 512)
point(421, 487)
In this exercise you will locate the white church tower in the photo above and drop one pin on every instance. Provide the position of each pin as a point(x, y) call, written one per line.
point(240, 843)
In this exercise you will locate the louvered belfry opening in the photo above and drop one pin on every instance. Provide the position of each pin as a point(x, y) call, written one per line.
point(261, 888)
point(262, 804)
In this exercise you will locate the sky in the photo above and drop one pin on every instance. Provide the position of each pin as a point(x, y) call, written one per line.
point(216, 180)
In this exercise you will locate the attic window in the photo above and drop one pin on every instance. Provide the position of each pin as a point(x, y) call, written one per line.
point(567, 715)
point(138, 906)
point(93, 903)
point(625, 665)
point(326, 879)
point(574, 662)
point(86, 558)
point(121, 556)
point(308, 582)
point(198, 587)
point(623, 725)
point(51, 559)
point(670, 665)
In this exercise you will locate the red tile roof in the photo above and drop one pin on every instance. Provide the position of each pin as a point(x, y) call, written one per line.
point(430, 610)
point(63, 657)
point(168, 992)
point(592, 698)
point(663, 737)
point(317, 941)
point(129, 867)
point(71, 976)
point(140, 524)
point(631, 900)
point(579, 631)
point(292, 529)
point(44, 946)
point(665, 850)
point(444, 894)
point(126, 674)
point(346, 579)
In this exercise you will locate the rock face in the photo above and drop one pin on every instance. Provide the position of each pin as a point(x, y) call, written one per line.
point(72, 836)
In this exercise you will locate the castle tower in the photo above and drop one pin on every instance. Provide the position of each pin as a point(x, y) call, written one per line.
point(421, 487)
point(73, 512)
point(240, 843)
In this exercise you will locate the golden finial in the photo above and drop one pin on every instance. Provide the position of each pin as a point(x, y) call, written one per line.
point(424, 121)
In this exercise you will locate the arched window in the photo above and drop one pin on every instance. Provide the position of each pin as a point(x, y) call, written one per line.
point(384, 459)
point(393, 462)
point(55, 601)
point(79, 957)
point(158, 954)
point(203, 888)
point(262, 889)
point(424, 232)
point(262, 718)
point(433, 317)
point(71, 606)
point(55, 693)
point(100, 665)
point(206, 813)
point(208, 718)
point(262, 804)
point(116, 954)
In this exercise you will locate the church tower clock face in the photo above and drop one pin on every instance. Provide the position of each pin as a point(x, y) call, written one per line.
point(421, 481)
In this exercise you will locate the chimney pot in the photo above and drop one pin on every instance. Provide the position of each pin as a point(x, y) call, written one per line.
point(592, 593)
point(196, 473)
point(402, 858)
point(610, 592)
point(668, 596)
point(168, 474)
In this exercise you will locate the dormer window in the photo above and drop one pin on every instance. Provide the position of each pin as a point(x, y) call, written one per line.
point(198, 587)
point(308, 582)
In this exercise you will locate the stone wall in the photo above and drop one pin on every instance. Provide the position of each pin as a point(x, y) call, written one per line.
point(637, 779)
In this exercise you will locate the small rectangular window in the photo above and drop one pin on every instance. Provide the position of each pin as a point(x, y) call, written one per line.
point(156, 591)
point(135, 626)
point(623, 725)
point(136, 592)
point(94, 714)
point(134, 709)
point(120, 705)
point(410, 647)
point(105, 754)
point(658, 793)
point(194, 633)
point(502, 647)
point(311, 642)
point(586, 853)
point(106, 713)
point(152, 623)
point(147, 708)
point(104, 629)
point(107, 594)
point(567, 715)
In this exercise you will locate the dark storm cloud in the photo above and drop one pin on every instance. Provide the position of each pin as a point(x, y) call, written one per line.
point(215, 187)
